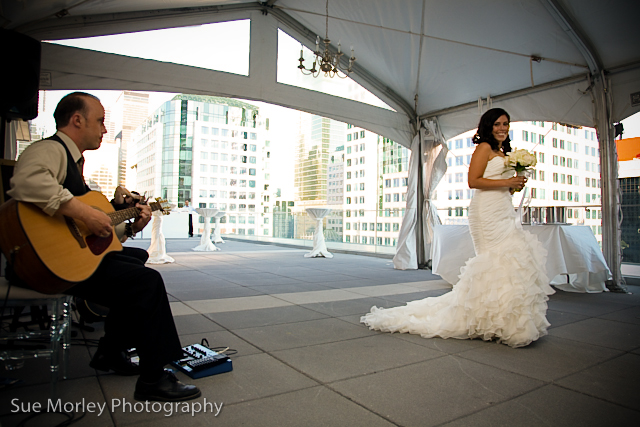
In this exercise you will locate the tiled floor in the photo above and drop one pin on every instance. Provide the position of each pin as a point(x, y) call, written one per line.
point(305, 360)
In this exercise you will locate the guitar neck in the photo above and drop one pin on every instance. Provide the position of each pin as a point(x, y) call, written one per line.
point(120, 216)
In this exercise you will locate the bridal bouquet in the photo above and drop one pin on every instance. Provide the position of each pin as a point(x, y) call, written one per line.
point(521, 161)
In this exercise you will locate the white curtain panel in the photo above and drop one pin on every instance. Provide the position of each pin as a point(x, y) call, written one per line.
point(428, 157)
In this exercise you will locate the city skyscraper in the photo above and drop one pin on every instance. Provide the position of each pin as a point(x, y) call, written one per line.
point(130, 111)
point(212, 151)
point(318, 138)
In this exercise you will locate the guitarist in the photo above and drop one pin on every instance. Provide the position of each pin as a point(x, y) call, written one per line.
point(49, 175)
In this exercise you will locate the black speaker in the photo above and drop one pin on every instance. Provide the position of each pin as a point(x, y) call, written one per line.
point(20, 75)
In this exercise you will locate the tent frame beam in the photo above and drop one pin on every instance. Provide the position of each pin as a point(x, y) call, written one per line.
point(360, 74)
point(573, 31)
point(98, 25)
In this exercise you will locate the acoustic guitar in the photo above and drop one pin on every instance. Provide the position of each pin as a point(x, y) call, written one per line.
point(53, 253)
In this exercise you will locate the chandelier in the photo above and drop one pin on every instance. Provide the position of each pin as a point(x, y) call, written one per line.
point(328, 63)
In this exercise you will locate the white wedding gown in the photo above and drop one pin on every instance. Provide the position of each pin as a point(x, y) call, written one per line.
point(501, 293)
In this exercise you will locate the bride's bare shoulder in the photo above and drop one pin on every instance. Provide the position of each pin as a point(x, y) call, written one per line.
point(483, 151)
point(484, 147)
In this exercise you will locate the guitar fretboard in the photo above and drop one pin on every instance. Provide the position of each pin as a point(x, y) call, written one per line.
point(122, 215)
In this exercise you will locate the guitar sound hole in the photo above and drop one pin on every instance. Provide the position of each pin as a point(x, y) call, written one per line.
point(98, 245)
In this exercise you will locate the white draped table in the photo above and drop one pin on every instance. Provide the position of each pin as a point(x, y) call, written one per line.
point(319, 246)
point(216, 231)
point(205, 241)
point(574, 262)
point(157, 249)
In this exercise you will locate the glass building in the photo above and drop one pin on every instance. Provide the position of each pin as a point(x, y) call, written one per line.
point(210, 150)
point(318, 139)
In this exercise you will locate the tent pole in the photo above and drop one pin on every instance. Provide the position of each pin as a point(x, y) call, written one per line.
point(420, 252)
point(611, 247)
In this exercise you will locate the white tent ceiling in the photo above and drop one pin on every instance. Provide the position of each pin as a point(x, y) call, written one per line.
point(448, 53)
point(569, 61)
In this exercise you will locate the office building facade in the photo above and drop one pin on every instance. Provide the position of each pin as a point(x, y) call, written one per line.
point(567, 174)
point(212, 151)
point(318, 138)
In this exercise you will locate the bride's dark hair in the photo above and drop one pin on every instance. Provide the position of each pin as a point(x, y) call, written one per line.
point(485, 130)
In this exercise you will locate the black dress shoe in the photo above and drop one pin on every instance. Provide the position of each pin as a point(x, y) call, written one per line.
point(116, 362)
point(166, 389)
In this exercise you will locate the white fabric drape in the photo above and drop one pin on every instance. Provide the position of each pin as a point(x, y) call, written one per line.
point(319, 245)
point(206, 245)
point(428, 157)
point(216, 231)
point(157, 249)
point(572, 250)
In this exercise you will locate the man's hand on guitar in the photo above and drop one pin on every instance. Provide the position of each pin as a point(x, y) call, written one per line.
point(143, 219)
point(97, 222)
point(123, 196)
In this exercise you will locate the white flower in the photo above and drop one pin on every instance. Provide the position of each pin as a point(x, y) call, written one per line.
point(520, 159)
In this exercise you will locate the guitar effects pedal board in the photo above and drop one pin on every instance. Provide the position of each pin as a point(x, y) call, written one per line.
point(199, 361)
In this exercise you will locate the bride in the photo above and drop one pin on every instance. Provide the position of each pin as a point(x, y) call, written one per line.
point(502, 292)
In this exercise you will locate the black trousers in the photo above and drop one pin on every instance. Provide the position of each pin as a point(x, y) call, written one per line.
point(190, 225)
point(139, 311)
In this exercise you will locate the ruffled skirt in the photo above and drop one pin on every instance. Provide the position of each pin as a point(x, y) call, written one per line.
point(501, 294)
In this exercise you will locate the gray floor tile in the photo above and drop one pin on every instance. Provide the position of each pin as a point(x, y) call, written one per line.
point(234, 320)
point(397, 275)
point(559, 318)
point(547, 359)
point(294, 286)
point(356, 357)
point(195, 323)
point(384, 379)
point(628, 315)
point(405, 298)
point(215, 293)
point(353, 318)
point(298, 273)
point(615, 380)
point(357, 282)
point(585, 304)
point(449, 346)
point(606, 333)
point(444, 389)
point(253, 377)
point(198, 263)
point(631, 298)
point(292, 335)
point(355, 306)
point(551, 406)
point(226, 270)
point(186, 278)
point(206, 281)
point(325, 278)
point(315, 407)
point(259, 279)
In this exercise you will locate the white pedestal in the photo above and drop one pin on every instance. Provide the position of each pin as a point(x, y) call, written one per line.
point(216, 231)
point(205, 241)
point(319, 245)
point(157, 249)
